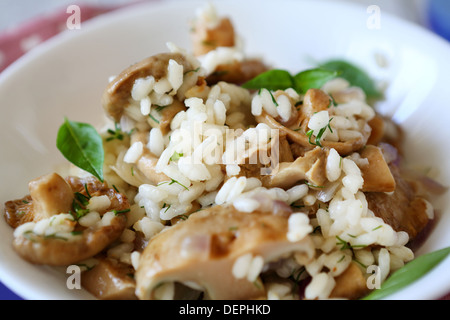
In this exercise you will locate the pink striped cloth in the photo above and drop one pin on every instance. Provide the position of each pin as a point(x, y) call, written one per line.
point(16, 42)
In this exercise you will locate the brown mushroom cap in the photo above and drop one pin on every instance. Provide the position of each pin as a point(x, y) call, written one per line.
point(118, 92)
point(300, 138)
point(204, 248)
point(60, 251)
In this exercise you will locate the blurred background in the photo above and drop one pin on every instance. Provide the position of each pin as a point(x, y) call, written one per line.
point(26, 23)
point(15, 12)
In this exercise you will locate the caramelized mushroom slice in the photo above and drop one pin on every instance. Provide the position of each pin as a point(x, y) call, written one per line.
point(377, 175)
point(60, 239)
point(351, 284)
point(146, 164)
point(378, 130)
point(201, 252)
point(315, 101)
point(237, 72)
point(310, 167)
point(118, 92)
point(300, 138)
point(206, 38)
point(167, 114)
point(49, 195)
point(110, 280)
point(210, 35)
point(402, 209)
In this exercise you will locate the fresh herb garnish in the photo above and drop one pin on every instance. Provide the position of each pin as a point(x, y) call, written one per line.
point(295, 277)
point(115, 134)
point(78, 208)
point(297, 206)
point(309, 134)
point(313, 78)
point(166, 206)
point(84, 200)
point(176, 156)
point(347, 245)
point(161, 108)
point(172, 182)
point(87, 191)
point(193, 70)
point(313, 185)
point(277, 79)
point(271, 95)
point(81, 144)
point(117, 212)
point(54, 236)
point(411, 272)
point(153, 118)
point(354, 75)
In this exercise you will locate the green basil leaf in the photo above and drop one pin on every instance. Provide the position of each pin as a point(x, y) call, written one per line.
point(81, 144)
point(411, 272)
point(355, 76)
point(274, 79)
point(313, 79)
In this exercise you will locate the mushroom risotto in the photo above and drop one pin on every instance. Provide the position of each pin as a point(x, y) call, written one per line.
point(219, 177)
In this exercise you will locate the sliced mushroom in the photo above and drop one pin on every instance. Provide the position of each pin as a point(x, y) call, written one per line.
point(201, 252)
point(49, 195)
point(315, 100)
point(402, 209)
point(351, 284)
point(377, 175)
point(300, 138)
point(167, 114)
point(118, 92)
point(258, 160)
point(64, 249)
point(110, 280)
point(206, 38)
point(19, 211)
point(310, 167)
point(237, 72)
point(146, 164)
point(378, 130)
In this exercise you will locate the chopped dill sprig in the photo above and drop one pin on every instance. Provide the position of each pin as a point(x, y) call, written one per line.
point(172, 182)
point(309, 134)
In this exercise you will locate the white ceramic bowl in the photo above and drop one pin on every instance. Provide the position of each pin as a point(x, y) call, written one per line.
point(67, 75)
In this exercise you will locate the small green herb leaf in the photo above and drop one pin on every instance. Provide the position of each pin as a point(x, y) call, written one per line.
point(355, 76)
point(310, 133)
point(81, 144)
point(115, 134)
point(313, 79)
point(411, 272)
point(277, 79)
point(274, 79)
point(176, 156)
